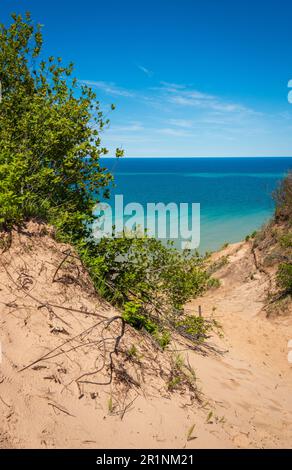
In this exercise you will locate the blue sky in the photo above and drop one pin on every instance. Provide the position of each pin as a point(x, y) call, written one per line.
point(188, 77)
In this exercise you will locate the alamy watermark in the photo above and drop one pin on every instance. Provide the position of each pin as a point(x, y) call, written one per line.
point(180, 222)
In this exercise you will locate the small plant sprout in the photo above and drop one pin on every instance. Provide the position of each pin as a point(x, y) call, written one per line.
point(190, 436)
point(209, 418)
point(179, 362)
point(132, 353)
point(173, 383)
point(110, 404)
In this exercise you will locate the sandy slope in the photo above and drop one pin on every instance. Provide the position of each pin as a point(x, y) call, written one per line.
point(251, 384)
point(247, 399)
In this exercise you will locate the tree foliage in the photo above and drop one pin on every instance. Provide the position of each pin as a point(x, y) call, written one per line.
point(149, 280)
point(50, 144)
point(50, 170)
point(145, 269)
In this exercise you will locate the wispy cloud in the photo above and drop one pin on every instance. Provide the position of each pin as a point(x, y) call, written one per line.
point(176, 94)
point(132, 126)
point(185, 96)
point(148, 72)
point(174, 118)
point(109, 87)
point(174, 132)
point(172, 86)
point(184, 123)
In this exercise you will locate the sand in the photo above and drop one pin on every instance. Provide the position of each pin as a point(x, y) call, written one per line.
point(246, 398)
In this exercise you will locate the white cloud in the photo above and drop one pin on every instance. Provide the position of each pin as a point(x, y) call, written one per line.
point(129, 127)
point(184, 123)
point(109, 87)
point(174, 132)
point(178, 119)
point(172, 86)
point(184, 96)
point(148, 72)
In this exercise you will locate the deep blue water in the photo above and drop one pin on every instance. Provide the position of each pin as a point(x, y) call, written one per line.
point(235, 194)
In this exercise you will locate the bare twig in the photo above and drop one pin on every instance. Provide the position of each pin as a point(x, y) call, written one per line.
point(67, 254)
point(61, 409)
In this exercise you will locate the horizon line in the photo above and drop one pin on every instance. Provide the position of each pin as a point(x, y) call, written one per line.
point(202, 156)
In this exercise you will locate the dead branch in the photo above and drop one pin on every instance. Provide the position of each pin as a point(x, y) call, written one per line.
point(61, 409)
point(67, 254)
point(114, 351)
point(45, 356)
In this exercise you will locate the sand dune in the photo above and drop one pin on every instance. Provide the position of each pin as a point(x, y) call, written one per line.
point(245, 398)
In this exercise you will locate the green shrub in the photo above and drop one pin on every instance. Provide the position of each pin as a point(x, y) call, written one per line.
point(163, 338)
point(283, 199)
point(150, 281)
point(133, 315)
point(49, 148)
point(284, 277)
point(144, 269)
point(286, 240)
point(197, 327)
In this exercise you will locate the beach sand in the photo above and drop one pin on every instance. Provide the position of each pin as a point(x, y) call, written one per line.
point(246, 398)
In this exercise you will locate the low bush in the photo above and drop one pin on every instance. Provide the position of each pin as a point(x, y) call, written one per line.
point(150, 281)
point(286, 240)
point(283, 199)
point(146, 270)
point(284, 277)
point(196, 327)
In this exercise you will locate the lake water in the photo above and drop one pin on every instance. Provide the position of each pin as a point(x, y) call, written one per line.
point(235, 194)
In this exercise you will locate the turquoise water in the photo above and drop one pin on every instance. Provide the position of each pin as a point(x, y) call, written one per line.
point(235, 194)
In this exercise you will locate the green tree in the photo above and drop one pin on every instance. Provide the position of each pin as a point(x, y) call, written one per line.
point(50, 145)
point(50, 170)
